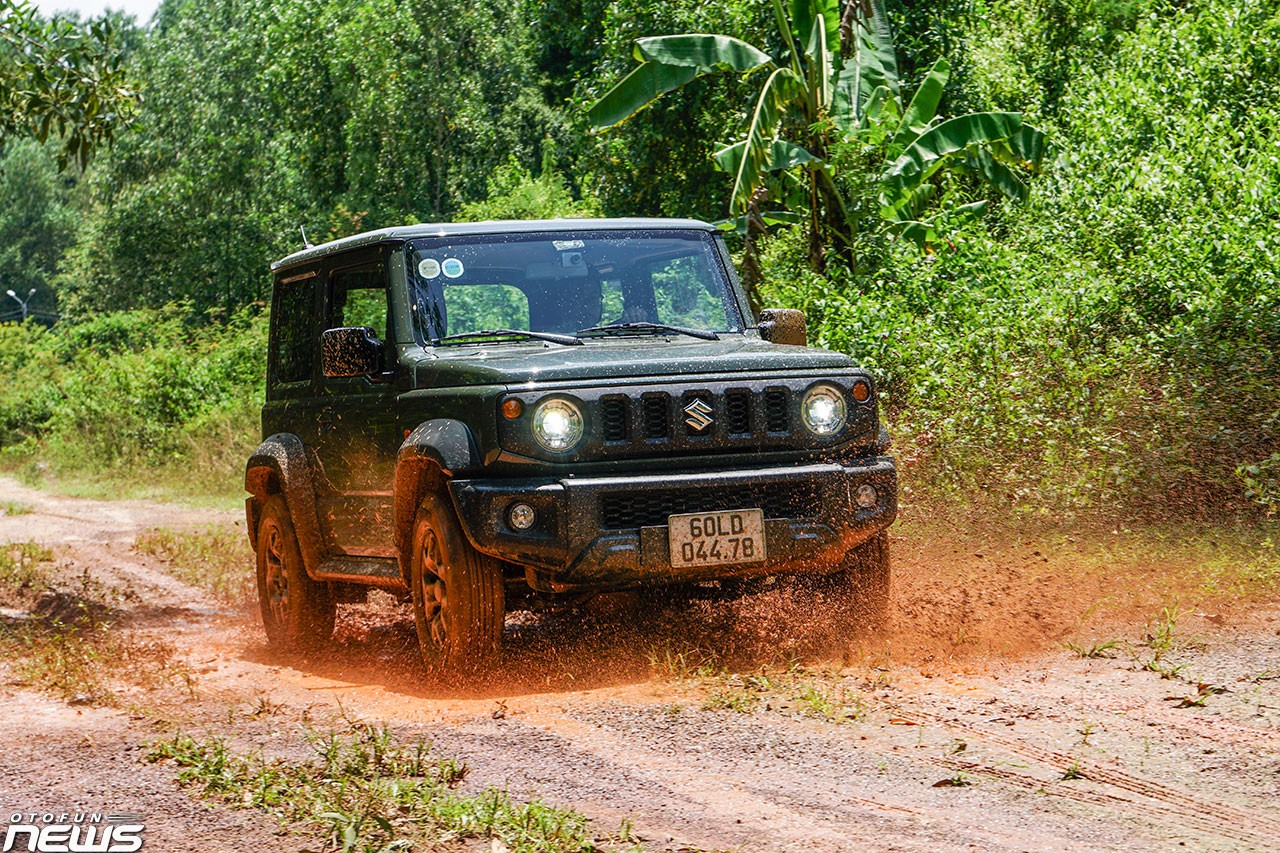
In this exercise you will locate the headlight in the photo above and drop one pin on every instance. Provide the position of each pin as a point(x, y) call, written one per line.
point(557, 425)
point(823, 410)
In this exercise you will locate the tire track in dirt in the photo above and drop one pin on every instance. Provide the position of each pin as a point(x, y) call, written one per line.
point(1165, 802)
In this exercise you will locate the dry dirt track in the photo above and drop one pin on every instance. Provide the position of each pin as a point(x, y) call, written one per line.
point(968, 688)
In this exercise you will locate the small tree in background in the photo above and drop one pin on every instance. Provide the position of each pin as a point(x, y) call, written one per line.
point(834, 90)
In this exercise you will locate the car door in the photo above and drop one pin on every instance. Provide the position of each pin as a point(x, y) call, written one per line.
point(356, 434)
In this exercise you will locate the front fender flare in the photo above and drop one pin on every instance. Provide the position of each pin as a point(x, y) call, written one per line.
point(279, 466)
point(437, 450)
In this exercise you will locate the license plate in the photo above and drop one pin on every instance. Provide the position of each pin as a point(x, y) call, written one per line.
point(713, 538)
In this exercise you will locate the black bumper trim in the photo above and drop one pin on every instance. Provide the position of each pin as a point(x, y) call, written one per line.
point(568, 547)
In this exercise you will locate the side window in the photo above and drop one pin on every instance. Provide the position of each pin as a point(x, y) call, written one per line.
point(473, 307)
point(681, 291)
point(295, 324)
point(360, 299)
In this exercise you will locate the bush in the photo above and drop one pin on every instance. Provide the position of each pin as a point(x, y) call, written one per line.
point(131, 392)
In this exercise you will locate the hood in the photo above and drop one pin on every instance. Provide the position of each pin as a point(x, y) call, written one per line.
point(656, 357)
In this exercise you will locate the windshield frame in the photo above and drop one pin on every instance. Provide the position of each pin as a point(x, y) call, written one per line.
point(421, 293)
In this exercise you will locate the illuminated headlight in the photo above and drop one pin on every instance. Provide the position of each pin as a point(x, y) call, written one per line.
point(823, 410)
point(557, 425)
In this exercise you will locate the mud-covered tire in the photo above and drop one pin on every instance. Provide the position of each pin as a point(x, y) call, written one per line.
point(859, 589)
point(297, 612)
point(458, 599)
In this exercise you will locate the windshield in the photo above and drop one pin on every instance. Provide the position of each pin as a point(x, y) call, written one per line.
point(565, 283)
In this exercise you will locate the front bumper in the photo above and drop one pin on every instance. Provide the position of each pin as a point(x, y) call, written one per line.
point(611, 532)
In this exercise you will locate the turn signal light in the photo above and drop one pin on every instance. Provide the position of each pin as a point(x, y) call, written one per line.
point(861, 390)
point(512, 408)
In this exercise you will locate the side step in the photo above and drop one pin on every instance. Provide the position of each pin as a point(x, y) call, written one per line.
point(370, 571)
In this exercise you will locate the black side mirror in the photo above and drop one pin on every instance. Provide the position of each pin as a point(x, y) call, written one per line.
point(783, 326)
point(352, 351)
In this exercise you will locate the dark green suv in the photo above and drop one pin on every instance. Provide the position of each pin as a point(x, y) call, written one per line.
point(507, 415)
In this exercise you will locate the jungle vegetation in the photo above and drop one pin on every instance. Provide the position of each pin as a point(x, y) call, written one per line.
point(1049, 225)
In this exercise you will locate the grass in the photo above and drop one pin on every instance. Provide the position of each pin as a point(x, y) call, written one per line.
point(789, 687)
point(83, 664)
point(15, 508)
point(366, 791)
point(78, 656)
point(20, 565)
point(1159, 641)
point(216, 558)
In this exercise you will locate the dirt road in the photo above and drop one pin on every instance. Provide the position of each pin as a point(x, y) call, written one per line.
point(746, 725)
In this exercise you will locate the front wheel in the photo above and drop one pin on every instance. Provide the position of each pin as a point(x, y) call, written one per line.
point(297, 612)
point(458, 602)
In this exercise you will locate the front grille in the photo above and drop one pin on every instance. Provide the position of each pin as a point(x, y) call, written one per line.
point(737, 412)
point(775, 409)
point(657, 416)
point(624, 510)
point(613, 418)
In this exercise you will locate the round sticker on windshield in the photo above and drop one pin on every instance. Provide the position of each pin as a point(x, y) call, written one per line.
point(429, 268)
point(452, 267)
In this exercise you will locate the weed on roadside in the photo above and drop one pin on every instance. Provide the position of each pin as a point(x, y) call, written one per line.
point(1159, 641)
point(831, 703)
point(82, 663)
point(1074, 771)
point(67, 647)
point(366, 791)
point(216, 559)
point(1099, 649)
point(20, 565)
point(732, 697)
point(682, 663)
point(15, 508)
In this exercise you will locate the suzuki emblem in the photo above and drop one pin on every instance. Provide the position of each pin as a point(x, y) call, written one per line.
point(699, 414)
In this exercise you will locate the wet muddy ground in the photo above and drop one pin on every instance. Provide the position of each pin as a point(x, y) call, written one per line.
point(749, 725)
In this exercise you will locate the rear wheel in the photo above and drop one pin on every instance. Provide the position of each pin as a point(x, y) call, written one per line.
point(297, 612)
point(458, 601)
point(860, 587)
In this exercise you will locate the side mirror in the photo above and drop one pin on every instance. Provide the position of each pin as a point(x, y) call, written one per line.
point(352, 351)
point(783, 326)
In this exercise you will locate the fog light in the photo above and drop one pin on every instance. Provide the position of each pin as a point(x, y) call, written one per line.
point(521, 516)
point(867, 496)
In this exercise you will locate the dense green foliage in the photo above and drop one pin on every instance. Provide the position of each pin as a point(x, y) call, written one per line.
point(1118, 338)
point(836, 88)
point(60, 80)
point(1109, 346)
point(133, 392)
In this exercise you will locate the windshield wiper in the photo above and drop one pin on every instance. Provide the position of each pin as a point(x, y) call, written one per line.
point(655, 328)
point(563, 340)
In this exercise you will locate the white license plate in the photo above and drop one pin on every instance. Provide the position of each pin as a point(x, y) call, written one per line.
point(713, 538)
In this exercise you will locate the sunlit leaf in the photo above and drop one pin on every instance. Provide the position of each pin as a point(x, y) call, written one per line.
point(707, 53)
point(637, 90)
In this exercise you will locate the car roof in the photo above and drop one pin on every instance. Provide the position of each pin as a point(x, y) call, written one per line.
point(448, 229)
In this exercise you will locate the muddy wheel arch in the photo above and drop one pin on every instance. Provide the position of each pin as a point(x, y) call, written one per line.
point(434, 452)
point(279, 466)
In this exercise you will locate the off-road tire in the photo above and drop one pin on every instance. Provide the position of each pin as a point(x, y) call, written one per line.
point(297, 612)
point(859, 589)
point(458, 599)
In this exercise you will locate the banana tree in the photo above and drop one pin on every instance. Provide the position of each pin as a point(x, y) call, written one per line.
point(836, 84)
